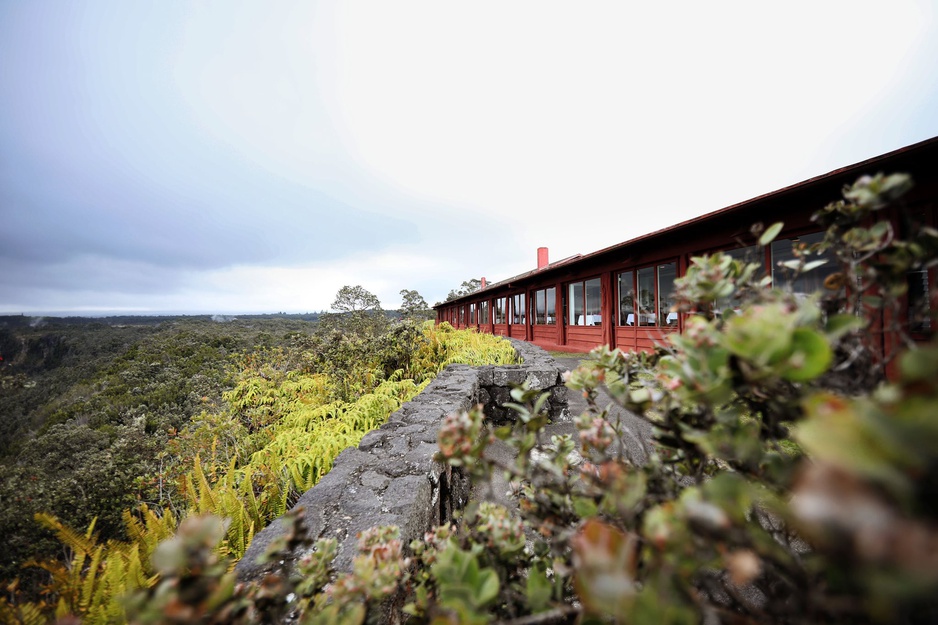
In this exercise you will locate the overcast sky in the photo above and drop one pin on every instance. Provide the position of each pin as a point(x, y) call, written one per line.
point(225, 157)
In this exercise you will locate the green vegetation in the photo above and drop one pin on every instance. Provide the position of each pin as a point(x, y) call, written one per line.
point(189, 417)
point(414, 306)
point(103, 404)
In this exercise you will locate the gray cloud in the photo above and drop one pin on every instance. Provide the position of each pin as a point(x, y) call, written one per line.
point(241, 216)
point(108, 180)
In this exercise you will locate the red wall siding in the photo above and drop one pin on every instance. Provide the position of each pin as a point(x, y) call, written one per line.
point(544, 334)
point(585, 337)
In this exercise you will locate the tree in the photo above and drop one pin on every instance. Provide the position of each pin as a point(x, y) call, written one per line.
point(414, 306)
point(359, 314)
point(468, 286)
point(353, 299)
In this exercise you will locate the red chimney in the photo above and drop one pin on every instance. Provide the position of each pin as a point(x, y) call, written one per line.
point(483, 282)
point(542, 258)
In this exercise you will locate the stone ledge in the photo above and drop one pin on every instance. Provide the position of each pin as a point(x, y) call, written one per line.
point(391, 477)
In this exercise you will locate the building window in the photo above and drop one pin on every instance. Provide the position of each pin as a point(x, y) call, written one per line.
point(750, 254)
point(484, 313)
point(462, 315)
point(667, 274)
point(499, 310)
point(545, 303)
point(647, 300)
point(517, 309)
point(806, 283)
point(472, 314)
point(919, 311)
point(627, 298)
point(585, 303)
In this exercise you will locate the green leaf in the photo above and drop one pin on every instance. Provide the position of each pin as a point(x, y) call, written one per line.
point(462, 583)
point(486, 587)
point(771, 232)
point(502, 433)
point(919, 364)
point(847, 434)
point(811, 356)
point(585, 507)
point(355, 615)
point(762, 337)
point(839, 325)
point(538, 589)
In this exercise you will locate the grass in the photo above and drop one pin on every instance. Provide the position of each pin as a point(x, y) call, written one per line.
point(577, 355)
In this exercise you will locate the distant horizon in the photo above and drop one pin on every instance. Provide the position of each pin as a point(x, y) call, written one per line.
point(110, 313)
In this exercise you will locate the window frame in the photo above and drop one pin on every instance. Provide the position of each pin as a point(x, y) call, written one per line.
point(514, 316)
point(640, 275)
point(583, 287)
point(499, 314)
point(816, 276)
point(550, 312)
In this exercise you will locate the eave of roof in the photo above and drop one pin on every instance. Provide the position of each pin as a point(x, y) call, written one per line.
point(855, 168)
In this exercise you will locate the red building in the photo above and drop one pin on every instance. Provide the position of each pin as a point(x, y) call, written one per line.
point(622, 295)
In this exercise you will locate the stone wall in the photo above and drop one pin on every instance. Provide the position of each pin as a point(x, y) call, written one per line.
point(391, 477)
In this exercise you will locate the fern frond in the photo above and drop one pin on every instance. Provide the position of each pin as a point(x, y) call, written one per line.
point(30, 614)
point(79, 543)
point(91, 579)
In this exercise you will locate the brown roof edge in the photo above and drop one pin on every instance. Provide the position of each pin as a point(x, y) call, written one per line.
point(855, 168)
point(842, 171)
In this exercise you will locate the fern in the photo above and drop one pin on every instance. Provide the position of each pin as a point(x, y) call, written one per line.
point(296, 431)
point(91, 585)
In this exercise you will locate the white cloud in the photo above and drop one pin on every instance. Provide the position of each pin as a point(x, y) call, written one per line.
point(629, 115)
